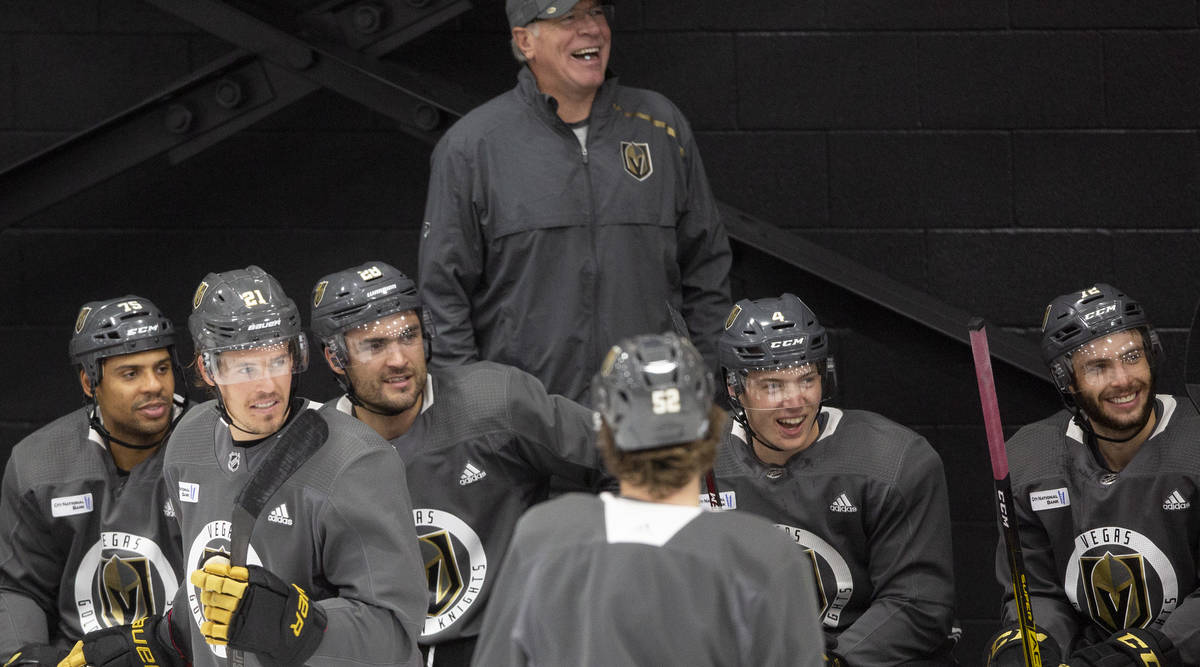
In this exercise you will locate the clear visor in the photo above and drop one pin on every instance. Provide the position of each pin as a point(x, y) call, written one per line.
point(1104, 360)
point(786, 386)
point(254, 364)
point(381, 338)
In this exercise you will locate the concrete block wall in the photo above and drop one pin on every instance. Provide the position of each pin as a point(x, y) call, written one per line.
point(991, 153)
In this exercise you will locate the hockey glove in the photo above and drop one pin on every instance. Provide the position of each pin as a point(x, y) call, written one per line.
point(135, 645)
point(1007, 650)
point(36, 654)
point(251, 609)
point(1132, 647)
point(832, 659)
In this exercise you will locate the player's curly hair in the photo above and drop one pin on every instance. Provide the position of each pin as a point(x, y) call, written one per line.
point(664, 470)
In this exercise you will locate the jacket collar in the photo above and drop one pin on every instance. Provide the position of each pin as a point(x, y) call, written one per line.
point(546, 106)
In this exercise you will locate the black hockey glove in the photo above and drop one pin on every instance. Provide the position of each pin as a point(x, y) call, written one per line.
point(251, 609)
point(135, 645)
point(1132, 647)
point(1006, 649)
point(36, 654)
point(830, 652)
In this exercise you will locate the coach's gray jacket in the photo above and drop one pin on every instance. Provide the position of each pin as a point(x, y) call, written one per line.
point(541, 254)
point(340, 528)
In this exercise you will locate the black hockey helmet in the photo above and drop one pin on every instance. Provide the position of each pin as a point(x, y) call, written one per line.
point(117, 326)
point(769, 334)
point(244, 309)
point(1077, 318)
point(361, 295)
point(654, 391)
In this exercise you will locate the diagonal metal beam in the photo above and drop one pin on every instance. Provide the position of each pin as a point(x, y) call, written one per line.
point(876, 287)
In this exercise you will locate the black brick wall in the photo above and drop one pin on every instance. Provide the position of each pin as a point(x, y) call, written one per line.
point(991, 153)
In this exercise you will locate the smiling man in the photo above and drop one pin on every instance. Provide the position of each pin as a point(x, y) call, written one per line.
point(89, 539)
point(568, 213)
point(1106, 497)
point(864, 496)
point(480, 442)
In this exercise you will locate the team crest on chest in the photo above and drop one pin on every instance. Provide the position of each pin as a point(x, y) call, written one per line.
point(455, 567)
point(121, 578)
point(635, 155)
point(831, 574)
point(1121, 579)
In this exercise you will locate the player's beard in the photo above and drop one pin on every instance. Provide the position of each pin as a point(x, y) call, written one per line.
point(370, 392)
point(1093, 407)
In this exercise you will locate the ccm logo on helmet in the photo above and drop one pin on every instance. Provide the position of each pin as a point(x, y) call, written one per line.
point(141, 330)
point(1098, 312)
point(787, 343)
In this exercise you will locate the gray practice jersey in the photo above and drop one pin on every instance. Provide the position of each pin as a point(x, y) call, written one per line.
point(1106, 551)
point(339, 528)
point(867, 502)
point(84, 546)
point(593, 581)
point(482, 451)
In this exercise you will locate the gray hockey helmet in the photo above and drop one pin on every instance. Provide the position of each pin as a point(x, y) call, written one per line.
point(361, 295)
point(117, 326)
point(243, 309)
point(773, 333)
point(1076, 318)
point(654, 391)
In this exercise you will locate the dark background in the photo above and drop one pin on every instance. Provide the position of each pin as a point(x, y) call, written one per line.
point(991, 153)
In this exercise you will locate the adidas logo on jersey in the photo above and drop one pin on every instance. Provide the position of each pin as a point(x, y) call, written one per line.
point(470, 474)
point(280, 515)
point(842, 504)
point(1176, 501)
point(168, 509)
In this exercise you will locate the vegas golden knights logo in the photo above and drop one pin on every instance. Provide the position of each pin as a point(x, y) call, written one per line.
point(83, 315)
point(1116, 590)
point(636, 157)
point(319, 292)
point(441, 572)
point(125, 589)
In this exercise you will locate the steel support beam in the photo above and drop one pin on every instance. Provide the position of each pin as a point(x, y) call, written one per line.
point(876, 288)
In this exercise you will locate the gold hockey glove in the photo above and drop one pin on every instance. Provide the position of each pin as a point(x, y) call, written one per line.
point(1134, 647)
point(251, 609)
point(1006, 648)
point(135, 645)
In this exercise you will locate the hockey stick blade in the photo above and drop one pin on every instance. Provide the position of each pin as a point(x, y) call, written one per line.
point(295, 444)
point(1006, 513)
point(1191, 373)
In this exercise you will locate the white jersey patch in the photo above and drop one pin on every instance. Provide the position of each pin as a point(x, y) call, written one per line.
point(456, 567)
point(189, 492)
point(1050, 499)
point(728, 501)
point(71, 505)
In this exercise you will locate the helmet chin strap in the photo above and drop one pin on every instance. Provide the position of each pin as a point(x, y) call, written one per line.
point(97, 425)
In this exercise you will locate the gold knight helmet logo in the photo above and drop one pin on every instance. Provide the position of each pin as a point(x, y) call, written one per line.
point(1116, 590)
point(636, 157)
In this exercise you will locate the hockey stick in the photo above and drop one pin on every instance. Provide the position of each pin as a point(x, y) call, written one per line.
point(294, 445)
point(1191, 372)
point(1003, 488)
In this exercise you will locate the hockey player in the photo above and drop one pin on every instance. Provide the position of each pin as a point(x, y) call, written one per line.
point(864, 497)
point(89, 538)
point(332, 574)
point(1106, 497)
point(647, 577)
point(480, 442)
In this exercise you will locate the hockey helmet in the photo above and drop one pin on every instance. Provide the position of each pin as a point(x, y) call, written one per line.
point(245, 309)
point(654, 391)
point(361, 295)
point(1074, 319)
point(117, 326)
point(773, 334)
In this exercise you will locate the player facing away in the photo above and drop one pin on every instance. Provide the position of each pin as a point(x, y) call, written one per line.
point(480, 442)
point(863, 497)
point(331, 573)
point(1106, 497)
point(647, 577)
point(89, 537)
